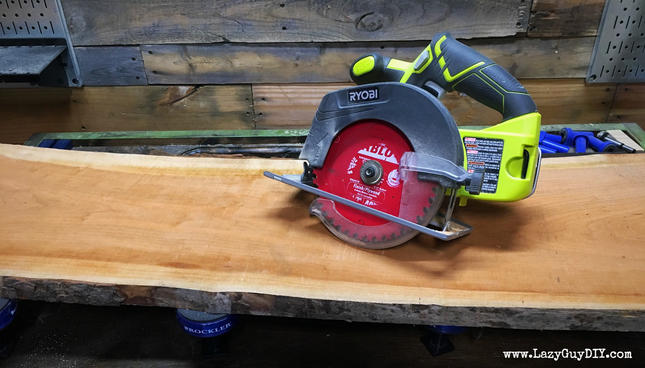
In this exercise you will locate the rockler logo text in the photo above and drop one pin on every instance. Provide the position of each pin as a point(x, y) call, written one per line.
point(361, 95)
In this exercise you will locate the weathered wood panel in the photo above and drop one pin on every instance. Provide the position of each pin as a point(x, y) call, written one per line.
point(629, 104)
point(564, 18)
point(219, 228)
point(127, 22)
point(111, 66)
point(563, 101)
point(298, 63)
point(560, 101)
point(29, 111)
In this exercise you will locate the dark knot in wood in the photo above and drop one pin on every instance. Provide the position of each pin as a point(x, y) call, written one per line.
point(370, 22)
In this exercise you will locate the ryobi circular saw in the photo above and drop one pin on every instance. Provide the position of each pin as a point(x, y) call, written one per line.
point(383, 156)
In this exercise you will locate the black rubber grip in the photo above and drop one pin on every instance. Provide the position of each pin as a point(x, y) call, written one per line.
point(456, 66)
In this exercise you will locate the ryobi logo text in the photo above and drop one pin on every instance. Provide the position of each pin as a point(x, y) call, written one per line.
point(362, 95)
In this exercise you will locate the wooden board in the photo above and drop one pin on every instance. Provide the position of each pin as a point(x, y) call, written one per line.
point(293, 63)
point(126, 22)
point(628, 104)
point(29, 111)
point(214, 234)
point(563, 101)
point(564, 18)
point(111, 66)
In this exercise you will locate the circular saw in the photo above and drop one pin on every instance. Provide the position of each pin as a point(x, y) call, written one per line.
point(387, 160)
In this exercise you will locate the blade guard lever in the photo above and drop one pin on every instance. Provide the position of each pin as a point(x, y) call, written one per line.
point(434, 168)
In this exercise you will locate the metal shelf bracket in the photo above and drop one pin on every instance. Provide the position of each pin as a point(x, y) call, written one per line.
point(35, 46)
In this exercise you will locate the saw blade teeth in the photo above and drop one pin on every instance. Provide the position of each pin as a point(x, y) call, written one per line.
point(362, 234)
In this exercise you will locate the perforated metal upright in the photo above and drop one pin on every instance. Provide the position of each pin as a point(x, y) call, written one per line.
point(35, 47)
point(619, 52)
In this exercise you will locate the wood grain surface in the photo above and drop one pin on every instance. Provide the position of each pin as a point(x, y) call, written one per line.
point(628, 104)
point(330, 62)
point(127, 22)
point(214, 227)
point(564, 18)
point(29, 111)
point(111, 66)
point(562, 101)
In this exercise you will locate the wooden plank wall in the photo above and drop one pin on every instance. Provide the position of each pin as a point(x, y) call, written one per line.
point(202, 64)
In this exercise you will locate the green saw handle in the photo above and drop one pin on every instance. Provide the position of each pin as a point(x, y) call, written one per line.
point(453, 66)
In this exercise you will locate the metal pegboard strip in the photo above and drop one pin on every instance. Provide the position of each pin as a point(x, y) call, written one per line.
point(619, 51)
point(28, 23)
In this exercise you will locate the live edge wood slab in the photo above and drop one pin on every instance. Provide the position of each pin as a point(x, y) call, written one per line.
point(215, 235)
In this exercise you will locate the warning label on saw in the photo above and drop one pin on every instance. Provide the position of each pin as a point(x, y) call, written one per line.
point(486, 154)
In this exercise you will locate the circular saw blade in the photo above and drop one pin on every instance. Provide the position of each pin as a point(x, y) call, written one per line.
point(368, 141)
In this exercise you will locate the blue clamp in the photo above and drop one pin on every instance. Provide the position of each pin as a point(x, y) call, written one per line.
point(65, 144)
point(200, 324)
point(436, 339)
point(580, 140)
point(552, 143)
point(7, 311)
point(448, 330)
